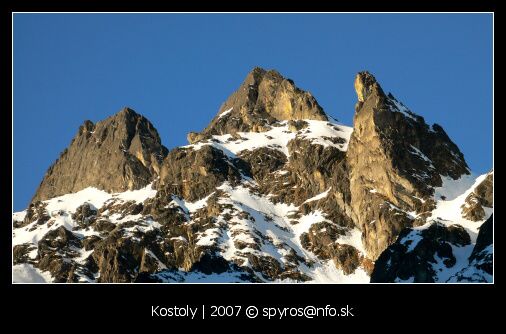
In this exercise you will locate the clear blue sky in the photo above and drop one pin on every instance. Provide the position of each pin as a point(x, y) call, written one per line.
point(176, 69)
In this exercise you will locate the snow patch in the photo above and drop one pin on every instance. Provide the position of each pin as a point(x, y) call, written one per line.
point(319, 196)
point(225, 113)
point(139, 195)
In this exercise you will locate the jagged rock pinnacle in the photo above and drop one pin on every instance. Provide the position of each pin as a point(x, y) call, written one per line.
point(364, 82)
point(395, 153)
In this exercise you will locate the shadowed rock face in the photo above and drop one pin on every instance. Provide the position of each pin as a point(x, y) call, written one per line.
point(263, 98)
point(394, 159)
point(416, 255)
point(122, 152)
point(485, 238)
point(413, 255)
point(481, 261)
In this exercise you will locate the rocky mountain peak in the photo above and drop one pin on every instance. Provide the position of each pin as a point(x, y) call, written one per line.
point(267, 91)
point(257, 74)
point(264, 97)
point(364, 84)
point(122, 152)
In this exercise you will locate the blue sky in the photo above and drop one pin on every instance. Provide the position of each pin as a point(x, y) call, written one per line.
point(177, 69)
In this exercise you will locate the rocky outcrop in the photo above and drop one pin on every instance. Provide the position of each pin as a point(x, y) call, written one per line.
point(36, 212)
point(262, 162)
point(57, 253)
point(118, 257)
point(321, 239)
point(395, 160)
point(85, 215)
point(194, 174)
point(21, 253)
point(262, 99)
point(123, 152)
point(480, 198)
point(416, 254)
point(311, 169)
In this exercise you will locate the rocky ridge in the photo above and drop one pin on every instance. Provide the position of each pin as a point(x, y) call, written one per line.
point(271, 190)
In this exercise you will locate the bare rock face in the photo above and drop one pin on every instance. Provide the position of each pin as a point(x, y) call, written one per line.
point(118, 258)
point(263, 98)
point(123, 152)
point(482, 196)
point(395, 160)
point(263, 162)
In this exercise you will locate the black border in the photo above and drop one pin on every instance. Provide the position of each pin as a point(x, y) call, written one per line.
point(259, 6)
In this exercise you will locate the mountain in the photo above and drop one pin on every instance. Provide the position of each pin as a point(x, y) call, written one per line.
point(262, 99)
point(120, 153)
point(272, 190)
